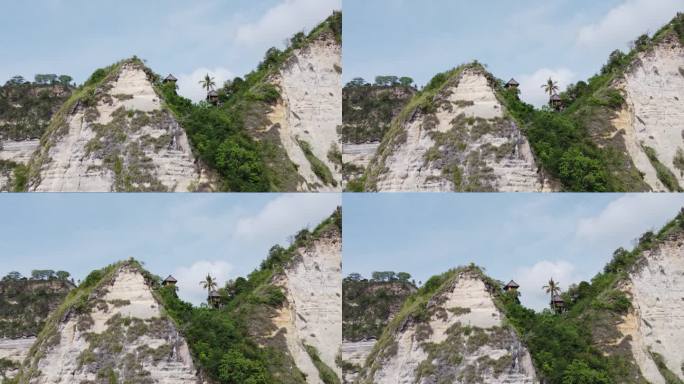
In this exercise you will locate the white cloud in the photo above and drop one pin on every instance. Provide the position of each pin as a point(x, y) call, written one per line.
point(189, 279)
point(626, 21)
point(530, 84)
point(189, 86)
point(627, 217)
point(532, 279)
point(285, 215)
point(286, 19)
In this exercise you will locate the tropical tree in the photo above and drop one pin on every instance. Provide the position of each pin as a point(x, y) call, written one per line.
point(209, 283)
point(552, 288)
point(208, 82)
point(550, 87)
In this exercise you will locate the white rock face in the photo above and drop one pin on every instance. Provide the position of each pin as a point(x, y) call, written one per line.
point(466, 303)
point(407, 167)
point(655, 325)
point(313, 315)
point(18, 151)
point(15, 350)
point(73, 162)
point(310, 84)
point(654, 113)
point(130, 298)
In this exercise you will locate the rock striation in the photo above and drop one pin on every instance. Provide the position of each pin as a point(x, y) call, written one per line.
point(653, 326)
point(457, 336)
point(312, 315)
point(114, 331)
point(115, 136)
point(459, 139)
point(652, 116)
point(310, 112)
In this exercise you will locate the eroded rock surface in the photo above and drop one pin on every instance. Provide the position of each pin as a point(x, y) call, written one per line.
point(118, 139)
point(120, 334)
point(653, 115)
point(311, 110)
point(655, 323)
point(467, 144)
point(313, 314)
point(463, 340)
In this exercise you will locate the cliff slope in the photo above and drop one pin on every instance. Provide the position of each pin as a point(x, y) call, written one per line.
point(114, 135)
point(308, 114)
point(312, 316)
point(112, 328)
point(450, 332)
point(455, 136)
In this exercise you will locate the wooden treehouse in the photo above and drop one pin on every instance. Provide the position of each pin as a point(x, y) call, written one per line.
point(557, 303)
point(511, 286)
point(214, 299)
point(213, 97)
point(556, 102)
point(512, 84)
point(169, 281)
point(170, 79)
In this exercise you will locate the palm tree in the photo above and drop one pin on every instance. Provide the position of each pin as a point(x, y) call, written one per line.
point(208, 82)
point(550, 87)
point(209, 283)
point(552, 288)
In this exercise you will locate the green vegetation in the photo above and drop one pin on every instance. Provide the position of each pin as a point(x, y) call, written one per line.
point(368, 305)
point(26, 107)
point(578, 346)
point(662, 172)
point(317, 166)
point(367, 110)
point(235, 344)
point(25, 303)
point(231, 138)
point(326, 374)
point(578, 146)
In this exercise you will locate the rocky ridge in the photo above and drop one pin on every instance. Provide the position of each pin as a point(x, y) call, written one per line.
point(456, 136)
point(112, 327)
point(115, 135)
point(455, 335)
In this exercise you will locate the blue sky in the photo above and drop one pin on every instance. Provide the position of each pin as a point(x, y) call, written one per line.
point(525, 237)
point(186, 235)
point(526, 39)
point(187, 38)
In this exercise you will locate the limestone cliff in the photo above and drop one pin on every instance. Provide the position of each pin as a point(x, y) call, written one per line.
point(653, 326)
point(312, 316)
point(309, 112)
point(650, 121)
point(114, 134)
point(452, 333)
point(113, 329)
point(25, 305)
point(455, 136)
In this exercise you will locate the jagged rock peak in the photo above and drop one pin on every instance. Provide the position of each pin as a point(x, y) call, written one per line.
point(451, 332)
point(115, 135)
point(455, 135)
point(111, 327)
